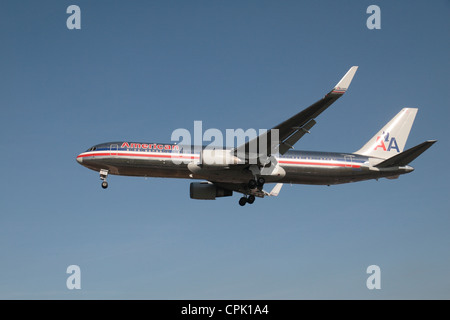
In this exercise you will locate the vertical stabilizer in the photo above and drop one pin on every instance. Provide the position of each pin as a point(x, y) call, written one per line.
point(390, 140)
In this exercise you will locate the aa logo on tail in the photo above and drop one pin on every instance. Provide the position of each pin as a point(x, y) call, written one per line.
point(384, 140)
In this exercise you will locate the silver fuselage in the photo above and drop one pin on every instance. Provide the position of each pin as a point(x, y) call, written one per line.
point(296, 167)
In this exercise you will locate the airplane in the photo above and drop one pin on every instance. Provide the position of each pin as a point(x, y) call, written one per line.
point(246, 168)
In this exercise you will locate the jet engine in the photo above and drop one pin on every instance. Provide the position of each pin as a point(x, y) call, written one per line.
point(208, 191)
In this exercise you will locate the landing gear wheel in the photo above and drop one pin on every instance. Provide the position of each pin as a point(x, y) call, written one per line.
point(104, 184)
point(260, 182)
point(243, 201)
point(251, 199)
point(252, 184)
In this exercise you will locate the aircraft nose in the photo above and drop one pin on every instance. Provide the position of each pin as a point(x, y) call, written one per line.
point(79, 160)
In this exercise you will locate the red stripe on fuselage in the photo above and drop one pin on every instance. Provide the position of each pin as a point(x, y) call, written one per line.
point(135, 155)
point(329, 164)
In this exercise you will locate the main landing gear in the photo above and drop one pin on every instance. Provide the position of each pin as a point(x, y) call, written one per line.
point(250, 199)
point(103, 176)
point(256, 183)
point(252, 184)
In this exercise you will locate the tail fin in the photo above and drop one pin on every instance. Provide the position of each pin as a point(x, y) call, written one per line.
point(390, 140)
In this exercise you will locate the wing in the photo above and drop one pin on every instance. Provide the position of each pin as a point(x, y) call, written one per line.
point(282, 137)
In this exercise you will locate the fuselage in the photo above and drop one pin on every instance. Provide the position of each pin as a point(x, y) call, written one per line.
point(173, 161)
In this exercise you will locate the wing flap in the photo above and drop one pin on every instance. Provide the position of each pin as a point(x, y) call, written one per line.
point(289, 142)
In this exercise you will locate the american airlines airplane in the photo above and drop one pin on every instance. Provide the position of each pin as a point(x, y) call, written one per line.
point(267, 158)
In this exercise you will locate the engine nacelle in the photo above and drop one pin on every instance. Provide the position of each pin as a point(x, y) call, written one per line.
point(208, 191)
point(219, 158)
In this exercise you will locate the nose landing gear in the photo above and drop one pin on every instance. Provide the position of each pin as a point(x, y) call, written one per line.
point(103, 176)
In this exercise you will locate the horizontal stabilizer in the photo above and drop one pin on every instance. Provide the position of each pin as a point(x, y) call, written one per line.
point(404, 158)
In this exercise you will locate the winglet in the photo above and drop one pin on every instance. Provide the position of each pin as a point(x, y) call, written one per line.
point(343, 85)
point(275, 191)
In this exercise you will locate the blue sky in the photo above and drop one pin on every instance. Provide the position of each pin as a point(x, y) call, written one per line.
point(138, 70)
